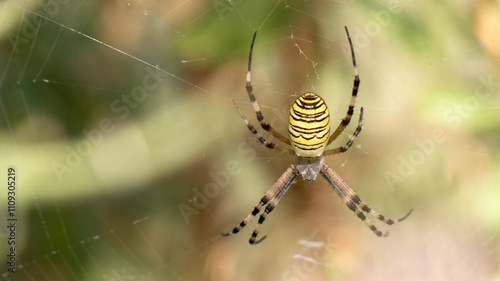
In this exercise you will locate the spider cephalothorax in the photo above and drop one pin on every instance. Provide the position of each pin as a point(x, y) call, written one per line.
point(309, 136)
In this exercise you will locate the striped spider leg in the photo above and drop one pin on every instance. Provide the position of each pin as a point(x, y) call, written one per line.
point(354, 203)
point(350, 110)
point(266, 126)
point(271, 198)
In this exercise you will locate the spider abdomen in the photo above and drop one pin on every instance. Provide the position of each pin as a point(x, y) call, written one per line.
point(309, 126)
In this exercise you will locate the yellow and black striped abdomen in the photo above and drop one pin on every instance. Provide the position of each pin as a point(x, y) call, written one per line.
point(309, 126)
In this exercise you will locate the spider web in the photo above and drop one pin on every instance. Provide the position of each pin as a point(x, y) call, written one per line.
point(131, 158)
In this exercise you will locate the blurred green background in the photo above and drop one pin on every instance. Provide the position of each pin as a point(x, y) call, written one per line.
point(131, 158)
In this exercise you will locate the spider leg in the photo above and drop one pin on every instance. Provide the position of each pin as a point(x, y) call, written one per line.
point(268, 196)
point(339, 182)
point(350, 110)
point(285, 181)
point(263, 141)
point(351, 139)
point(276, 191)
point(336, 182)
point(355, 198)
point(266, 126)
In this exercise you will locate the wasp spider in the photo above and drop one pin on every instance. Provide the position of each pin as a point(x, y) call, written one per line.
point(308, 135)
